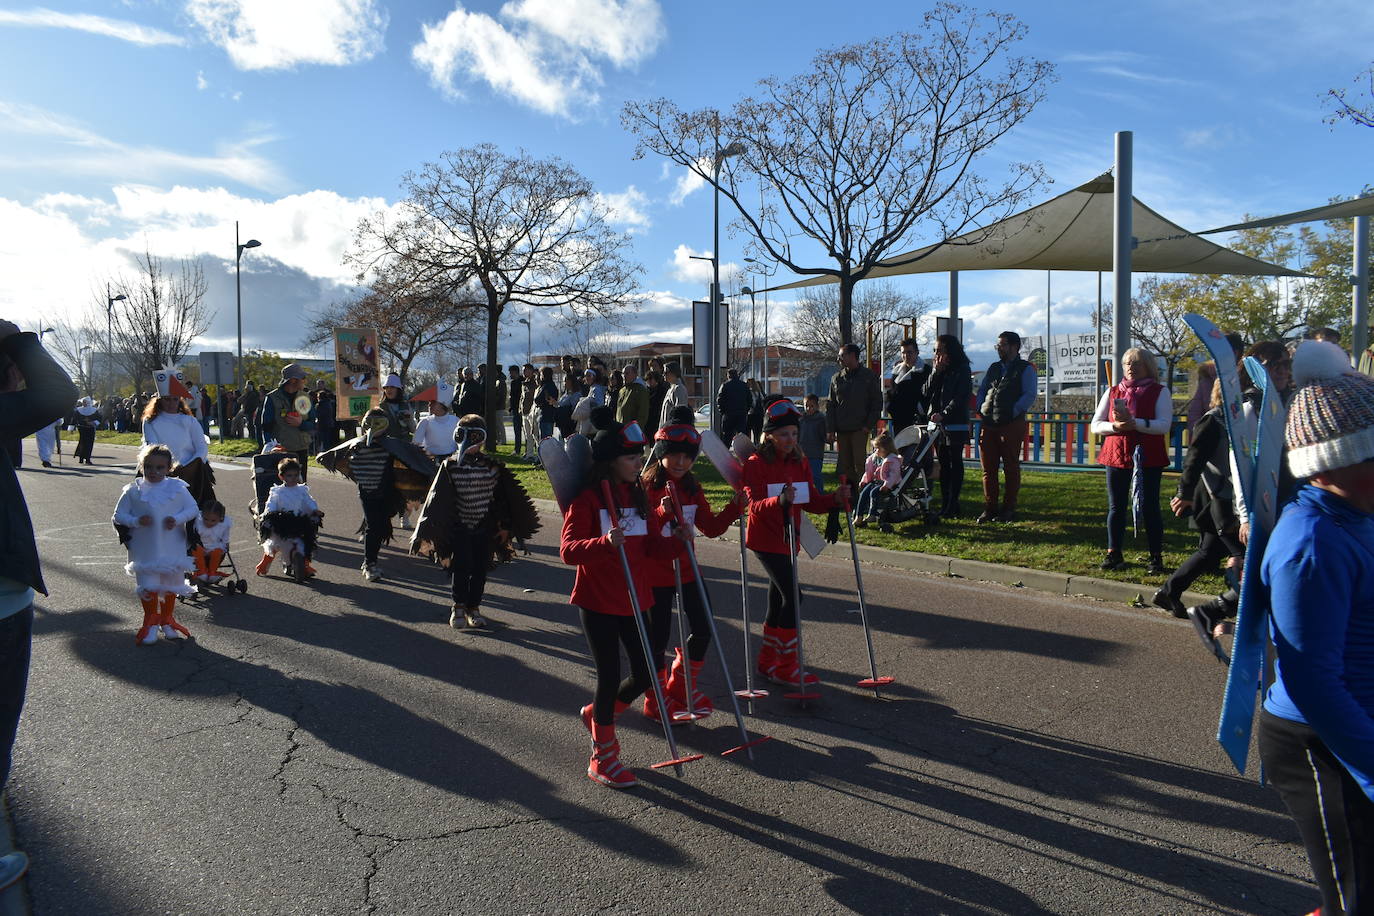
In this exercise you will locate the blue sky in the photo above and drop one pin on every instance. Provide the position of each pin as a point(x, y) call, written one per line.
point(125, 124)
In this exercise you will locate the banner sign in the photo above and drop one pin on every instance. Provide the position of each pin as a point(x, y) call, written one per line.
point(357, 371)
point(1072, 359)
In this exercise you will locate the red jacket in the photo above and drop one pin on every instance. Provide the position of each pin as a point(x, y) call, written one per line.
point(698, 512)
point(763, 482)
point(600, 583)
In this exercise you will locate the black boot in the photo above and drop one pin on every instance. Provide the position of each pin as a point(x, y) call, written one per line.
point(1156, 567)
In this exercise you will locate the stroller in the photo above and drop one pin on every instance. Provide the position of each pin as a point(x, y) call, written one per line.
point(229, 581)
point(264, 476)
point(914, 494)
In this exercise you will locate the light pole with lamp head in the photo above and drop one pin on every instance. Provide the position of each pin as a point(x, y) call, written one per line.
point(109, 334)
point(238, 299)
point(529, 339)
point(87, 370)
point(735, 148)
point(759, 265)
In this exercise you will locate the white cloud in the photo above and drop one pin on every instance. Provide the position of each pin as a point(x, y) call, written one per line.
point(545, 54)
point(688, 269)
point(201, 82)
point(68, 146)
point(687, 183)
point(272, 35)
point(96, 25)
point(628, 208)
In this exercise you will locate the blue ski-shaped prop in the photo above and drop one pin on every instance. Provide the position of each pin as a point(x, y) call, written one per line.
point(1252, 616)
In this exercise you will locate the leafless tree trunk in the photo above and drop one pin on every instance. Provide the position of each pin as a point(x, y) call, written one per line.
point(868, 143)
point(164, 313)
point(814, 324)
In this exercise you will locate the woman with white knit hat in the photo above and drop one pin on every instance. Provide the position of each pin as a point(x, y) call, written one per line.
point(1316, 731)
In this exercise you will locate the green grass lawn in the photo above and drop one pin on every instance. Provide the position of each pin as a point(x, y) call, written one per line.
point(1062, 527)
point(232, 448)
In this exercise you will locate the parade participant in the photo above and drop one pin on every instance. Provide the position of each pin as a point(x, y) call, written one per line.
point(591, 540)
point(675, 449)
point(212, 529)
point(288, 417)
point(167, 421)
point(399, 417)
point(1316, 730)
point(46, 438)
point(435, 432)
point(151, 518)
point(86, 418)
point(474, 509)
point(778, 480)
point(289, 519)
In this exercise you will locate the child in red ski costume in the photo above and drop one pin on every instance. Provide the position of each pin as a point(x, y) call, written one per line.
point(590, 541)
point(777, 478)
point(675, 449)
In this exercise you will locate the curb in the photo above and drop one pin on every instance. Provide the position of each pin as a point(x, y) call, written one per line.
point(1054, 583)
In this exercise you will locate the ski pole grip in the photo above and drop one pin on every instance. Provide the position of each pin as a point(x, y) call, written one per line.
point(609, 499)
point(677, 503)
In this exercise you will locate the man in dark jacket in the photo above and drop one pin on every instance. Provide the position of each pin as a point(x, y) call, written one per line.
point(1007, 392)
point(280, 420)
point(856, 403)
point(732, 403)
point(47, 392)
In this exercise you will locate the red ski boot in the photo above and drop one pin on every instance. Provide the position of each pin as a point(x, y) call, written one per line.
point(605, 766)
point(786, 671)
point(651, 704)
point(768, 651)
point(676, 689)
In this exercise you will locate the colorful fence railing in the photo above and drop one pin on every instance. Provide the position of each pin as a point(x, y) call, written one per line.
point(1065, 439)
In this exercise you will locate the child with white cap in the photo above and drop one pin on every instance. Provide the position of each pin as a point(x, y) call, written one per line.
point(1316, 731)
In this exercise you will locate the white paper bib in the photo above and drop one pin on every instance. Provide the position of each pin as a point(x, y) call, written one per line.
point(631, 523)
point(689, 515)
point(803, 491)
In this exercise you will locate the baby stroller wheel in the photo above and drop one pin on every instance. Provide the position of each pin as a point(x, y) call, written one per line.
point(242, 586)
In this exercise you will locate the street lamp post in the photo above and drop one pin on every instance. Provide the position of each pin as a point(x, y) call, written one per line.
point(86, 372)
point(733, 149)
point(529, 340)
point(766, 271)
point(238, 299)
point(109, 335)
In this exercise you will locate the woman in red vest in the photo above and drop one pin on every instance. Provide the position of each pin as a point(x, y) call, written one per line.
point(1135, 415)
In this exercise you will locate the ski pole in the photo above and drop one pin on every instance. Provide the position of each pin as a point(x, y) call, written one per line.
point(790, 527)
point(872, 680)
point(675, 761)
point(689, 714)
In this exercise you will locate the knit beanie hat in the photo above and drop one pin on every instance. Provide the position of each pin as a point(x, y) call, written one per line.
point(780, 412)
point(680, 435)
point(614, 439)
point(1331, 418)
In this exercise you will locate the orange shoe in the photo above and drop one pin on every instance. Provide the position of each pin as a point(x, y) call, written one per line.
point(150, 631)
point(264, 565)
point(171, 629)
point(309, 570)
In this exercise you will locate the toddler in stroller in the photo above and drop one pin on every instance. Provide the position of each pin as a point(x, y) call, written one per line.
point(288, 524)
point(882, 474)
point(912, 496)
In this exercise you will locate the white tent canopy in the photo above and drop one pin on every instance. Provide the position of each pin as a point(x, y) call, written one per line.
point(1072, 232)
point(1360, 206)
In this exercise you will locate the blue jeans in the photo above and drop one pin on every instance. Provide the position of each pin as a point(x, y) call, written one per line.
point(16, 640)
point(816, 472)
point(1119, 507)
point(545, 429)
point(863, 507)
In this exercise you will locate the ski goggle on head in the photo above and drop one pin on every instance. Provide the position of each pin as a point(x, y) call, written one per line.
point(632, 436)
point(679, 432)
point(779, 409)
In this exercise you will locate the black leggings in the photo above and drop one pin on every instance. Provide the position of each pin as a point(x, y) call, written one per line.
point(471, 550)
point(1334, 816)
point(949, 450)
point(606, 633)
point(781, 612)
point(1212, 548)
point(376, 525)
point(661, 623)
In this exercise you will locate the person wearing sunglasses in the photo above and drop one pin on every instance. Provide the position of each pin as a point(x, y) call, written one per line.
point(778, 482)
point(475, 507)
point(675, 450)
point(591, 540)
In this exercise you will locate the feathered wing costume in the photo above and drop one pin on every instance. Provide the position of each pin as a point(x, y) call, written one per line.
point(512, 516)
point(405, 479)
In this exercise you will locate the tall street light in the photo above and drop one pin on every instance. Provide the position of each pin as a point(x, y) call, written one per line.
point(109, 336)
point(767, 271)
point(529, 339)
point(735, 148)
point(238, 299)
point(86, 372)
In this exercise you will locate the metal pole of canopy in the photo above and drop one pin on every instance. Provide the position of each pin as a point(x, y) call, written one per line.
point(1121, 248)
point(954, 304)
point(1359, 332)
point(1049, 344)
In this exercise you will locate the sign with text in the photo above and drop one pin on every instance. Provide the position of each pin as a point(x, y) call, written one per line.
point(1072, 359)
point(357, 371)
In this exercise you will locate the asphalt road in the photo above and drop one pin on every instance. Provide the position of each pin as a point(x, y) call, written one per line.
point(336, 748)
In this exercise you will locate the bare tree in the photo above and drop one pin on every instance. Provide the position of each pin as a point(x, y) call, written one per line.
point(1359, 111)
point(518, 229)
point(164, 313)
point(410, 323)
point(871, 141)
point(69, 343)
point(814, 323)
point(1157, 311)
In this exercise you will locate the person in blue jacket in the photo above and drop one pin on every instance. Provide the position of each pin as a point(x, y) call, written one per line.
point(1316, 731)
